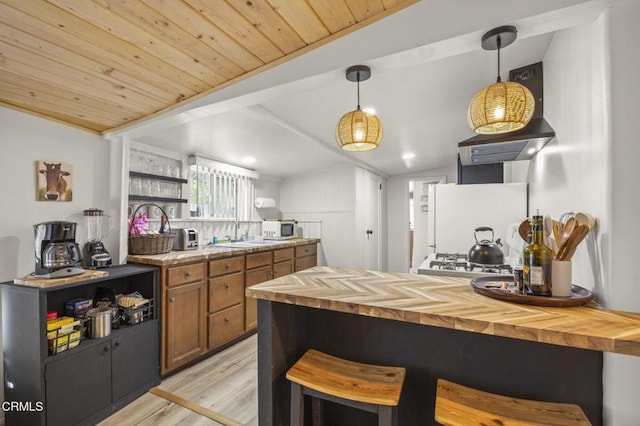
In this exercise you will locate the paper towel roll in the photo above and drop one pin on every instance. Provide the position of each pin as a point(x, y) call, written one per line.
point(263, 203)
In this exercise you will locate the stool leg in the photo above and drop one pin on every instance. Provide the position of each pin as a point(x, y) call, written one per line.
point(297, 405)
point(317, 411)
point(387, 416)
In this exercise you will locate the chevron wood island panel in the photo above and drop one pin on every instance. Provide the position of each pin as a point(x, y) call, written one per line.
point(450, 302)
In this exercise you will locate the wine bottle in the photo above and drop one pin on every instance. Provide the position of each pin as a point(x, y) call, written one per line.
point(163, 225)
point(537, 261)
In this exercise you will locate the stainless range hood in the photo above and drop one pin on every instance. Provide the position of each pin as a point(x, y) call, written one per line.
point(519, 145)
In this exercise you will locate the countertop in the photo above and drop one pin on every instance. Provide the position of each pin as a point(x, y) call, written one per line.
point(213, 252)
point(450, 302)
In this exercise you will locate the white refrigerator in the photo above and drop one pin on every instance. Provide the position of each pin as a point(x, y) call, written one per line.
point(455, 211)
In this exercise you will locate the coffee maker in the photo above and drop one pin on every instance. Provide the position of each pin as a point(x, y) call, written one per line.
point(56, 250)
point(95, 255)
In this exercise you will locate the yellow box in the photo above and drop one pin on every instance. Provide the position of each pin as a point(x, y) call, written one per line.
point(58, 322)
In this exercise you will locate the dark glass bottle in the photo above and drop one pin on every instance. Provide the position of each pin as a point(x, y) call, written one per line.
point(537, 262)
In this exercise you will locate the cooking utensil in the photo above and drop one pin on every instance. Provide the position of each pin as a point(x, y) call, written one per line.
point(99, 322)
point(568, 248)
point(567, 229)
point(585, 219)
point(486, 252)
point(525, 229)
point(557, 231)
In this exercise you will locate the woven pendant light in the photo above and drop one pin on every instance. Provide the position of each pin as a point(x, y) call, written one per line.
point(504, 106)
point(358, 130)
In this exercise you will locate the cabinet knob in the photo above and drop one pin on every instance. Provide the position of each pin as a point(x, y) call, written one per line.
point(226, 320)
point(188, 273)
point(107, 348)
point(227, 285)
point(227, 266)
point(117, 343)
point(172, 299)
point(270, 273)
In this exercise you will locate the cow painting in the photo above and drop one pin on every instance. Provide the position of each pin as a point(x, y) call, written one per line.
point(54, 181)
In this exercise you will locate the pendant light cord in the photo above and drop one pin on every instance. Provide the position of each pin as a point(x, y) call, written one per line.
point(358, 84)
point(499, 44)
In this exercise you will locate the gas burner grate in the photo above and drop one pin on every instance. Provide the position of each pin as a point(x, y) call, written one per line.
point(497, 269)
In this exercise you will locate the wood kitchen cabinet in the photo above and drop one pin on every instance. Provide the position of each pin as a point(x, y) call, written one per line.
point(283, 263)
point(259, 269)
point(185, 318)
point(85, 384)
point(306, 256)
point(226, 300)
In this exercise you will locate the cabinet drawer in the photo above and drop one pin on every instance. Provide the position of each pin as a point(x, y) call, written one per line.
point(258, 275)
point(283, 268)
point(226, 291)
point(306, 250)
point(226, 266)
point(225, 325)
point(185, 274)
point(282, 254)
point(259, 259)
point(306, 262)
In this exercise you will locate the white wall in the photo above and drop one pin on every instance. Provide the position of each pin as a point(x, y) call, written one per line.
point(622, 373)
point(24, 140)
point(591, 100)
point(398, 214)
point(328, 196)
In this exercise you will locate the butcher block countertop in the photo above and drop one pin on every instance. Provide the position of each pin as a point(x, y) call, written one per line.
point(213, 252)
point(450, 302)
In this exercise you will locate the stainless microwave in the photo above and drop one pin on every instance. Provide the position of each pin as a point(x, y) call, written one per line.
point(279, 229)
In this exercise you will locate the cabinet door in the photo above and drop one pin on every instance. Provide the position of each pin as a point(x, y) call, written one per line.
point(136, 358)
point(226, 291)
point(78, 386)
point(186, 323)
point(225, 325)
point(254, 276)
point(306, 262)
point(281, 269)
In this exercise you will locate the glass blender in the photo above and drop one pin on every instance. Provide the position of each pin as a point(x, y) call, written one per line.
point(94, 254)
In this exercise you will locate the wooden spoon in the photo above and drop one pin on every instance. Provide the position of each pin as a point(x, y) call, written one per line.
point(576, 237)
point(567, 229)
point(557, 226)
point(524, 229)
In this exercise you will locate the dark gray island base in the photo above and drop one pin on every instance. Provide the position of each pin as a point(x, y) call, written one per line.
point(514, 367)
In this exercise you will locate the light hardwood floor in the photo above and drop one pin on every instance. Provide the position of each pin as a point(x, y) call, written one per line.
point(226, 383)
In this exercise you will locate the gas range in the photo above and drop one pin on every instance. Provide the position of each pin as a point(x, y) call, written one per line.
point(457, 264)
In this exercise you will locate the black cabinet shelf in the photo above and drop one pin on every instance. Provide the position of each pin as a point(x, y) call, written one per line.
point(156, 199)
point(158, 177)
point(85, 384)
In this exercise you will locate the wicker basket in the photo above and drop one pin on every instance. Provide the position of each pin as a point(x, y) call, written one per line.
point(150, 243)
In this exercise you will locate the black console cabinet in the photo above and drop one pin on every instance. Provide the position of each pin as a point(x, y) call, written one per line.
point(84, 384)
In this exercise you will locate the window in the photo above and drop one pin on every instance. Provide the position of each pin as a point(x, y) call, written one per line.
point(220, 191)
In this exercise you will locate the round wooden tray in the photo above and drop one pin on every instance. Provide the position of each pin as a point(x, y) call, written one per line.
point(485, 286)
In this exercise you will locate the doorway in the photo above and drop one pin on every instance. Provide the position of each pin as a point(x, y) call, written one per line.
point(418, 220)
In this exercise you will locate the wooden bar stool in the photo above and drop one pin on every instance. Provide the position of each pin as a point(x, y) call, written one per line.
point(458, 405)
point(367, 387)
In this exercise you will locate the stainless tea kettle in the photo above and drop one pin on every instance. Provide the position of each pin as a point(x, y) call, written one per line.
point(486, 252)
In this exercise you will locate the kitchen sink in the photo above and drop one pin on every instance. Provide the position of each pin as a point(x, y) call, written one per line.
point(251, 243)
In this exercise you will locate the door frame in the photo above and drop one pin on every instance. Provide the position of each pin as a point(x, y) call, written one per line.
point(438, 179)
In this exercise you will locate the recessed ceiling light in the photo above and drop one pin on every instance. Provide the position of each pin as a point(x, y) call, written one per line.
point(248, 160)
point(408, 156)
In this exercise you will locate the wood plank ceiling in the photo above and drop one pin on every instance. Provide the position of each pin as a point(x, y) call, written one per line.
point(103, 64)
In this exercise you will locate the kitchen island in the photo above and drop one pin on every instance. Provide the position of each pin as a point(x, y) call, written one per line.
point(436, 327)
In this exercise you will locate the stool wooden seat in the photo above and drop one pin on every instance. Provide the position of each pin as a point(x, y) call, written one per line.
point(458, 405)
point(367, 387)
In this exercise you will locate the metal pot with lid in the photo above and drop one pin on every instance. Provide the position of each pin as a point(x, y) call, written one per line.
point(486, 252)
